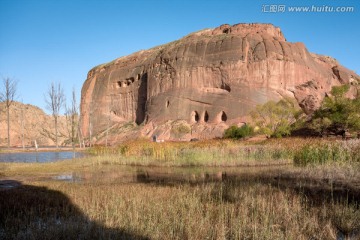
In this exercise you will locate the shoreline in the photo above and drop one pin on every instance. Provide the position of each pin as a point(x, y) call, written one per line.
point(40, 149)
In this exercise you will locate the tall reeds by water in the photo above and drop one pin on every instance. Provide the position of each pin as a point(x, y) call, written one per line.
point(249, 208)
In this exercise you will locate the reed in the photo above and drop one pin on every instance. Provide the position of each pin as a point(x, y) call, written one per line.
point(138, 211)
point(254, 208)
point(207, 153)
point(328, 153)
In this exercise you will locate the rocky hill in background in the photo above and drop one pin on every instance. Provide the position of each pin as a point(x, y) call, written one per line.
point(37, 125)
point(197, 86)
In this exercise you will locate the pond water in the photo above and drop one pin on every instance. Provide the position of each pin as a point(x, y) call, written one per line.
point(114, 174)
point(41, 157)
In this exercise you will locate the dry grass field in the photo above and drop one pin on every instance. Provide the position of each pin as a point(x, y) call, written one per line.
point(277, 189)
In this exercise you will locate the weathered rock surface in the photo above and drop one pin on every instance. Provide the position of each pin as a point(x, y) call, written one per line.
point(208, 79)
point(32, 123)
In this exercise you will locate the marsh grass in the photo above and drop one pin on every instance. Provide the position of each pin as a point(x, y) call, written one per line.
point(328, 153)
point(220, 210)
point(255, 208)
point(208, 153)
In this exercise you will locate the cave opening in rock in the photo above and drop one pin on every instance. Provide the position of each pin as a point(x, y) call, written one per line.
point(118, 85)
point(130, 80)
point(206, 116)
point(225, 87)
point(227, 30)
point(195, 116)
point(223, 116)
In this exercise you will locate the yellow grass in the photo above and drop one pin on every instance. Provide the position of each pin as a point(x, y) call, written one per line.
point(212, 211)
point(239, 208)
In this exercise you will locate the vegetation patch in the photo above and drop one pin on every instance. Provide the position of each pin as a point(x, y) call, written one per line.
point(235, 132)
point(258, 203)
point(202, 153)
point(275, 119)
point(179, 129)
point(337, 114)
point(327, 153)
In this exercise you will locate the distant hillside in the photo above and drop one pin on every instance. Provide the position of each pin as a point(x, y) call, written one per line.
point(37, 126)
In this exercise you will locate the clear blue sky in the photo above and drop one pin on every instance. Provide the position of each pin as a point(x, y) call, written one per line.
point(61, 40)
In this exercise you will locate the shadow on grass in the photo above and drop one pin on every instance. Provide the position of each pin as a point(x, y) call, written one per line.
point(30, 212)
point(319, 191)
point(316, 191)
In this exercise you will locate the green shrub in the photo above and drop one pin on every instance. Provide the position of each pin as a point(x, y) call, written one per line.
point(238, 132)
point(180, 129)
point(277, 119)
point(231, 132)
point(337, 114)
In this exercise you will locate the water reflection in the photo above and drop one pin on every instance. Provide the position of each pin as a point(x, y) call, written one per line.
point(72, 177)
point(316, 189)
point(41, 157)
point(169, 176)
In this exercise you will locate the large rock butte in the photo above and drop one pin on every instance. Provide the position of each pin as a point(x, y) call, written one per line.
point(204, 82)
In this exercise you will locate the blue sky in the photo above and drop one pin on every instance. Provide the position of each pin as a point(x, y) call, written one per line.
point(61, 40)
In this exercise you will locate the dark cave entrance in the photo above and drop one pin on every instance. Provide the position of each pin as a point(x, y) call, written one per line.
point(223, 116)
point(142, 98)
point(206, 116)
point(195, 116)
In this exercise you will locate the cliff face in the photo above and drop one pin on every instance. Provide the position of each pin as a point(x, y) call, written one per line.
point(209, 80)
point(32, 123)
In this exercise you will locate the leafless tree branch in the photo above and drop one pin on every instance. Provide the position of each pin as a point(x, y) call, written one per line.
point(55, 100)
point(8, 95)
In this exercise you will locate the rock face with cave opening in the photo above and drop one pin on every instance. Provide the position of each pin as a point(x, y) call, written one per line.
point(207, 80)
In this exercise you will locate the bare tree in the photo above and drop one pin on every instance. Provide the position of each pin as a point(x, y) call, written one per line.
point(8, 95)
point(80, 135)
point(72, 115)
point(22, 125)
point(55, 100)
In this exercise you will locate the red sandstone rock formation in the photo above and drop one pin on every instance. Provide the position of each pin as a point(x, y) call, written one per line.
point(205, 82)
